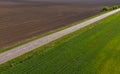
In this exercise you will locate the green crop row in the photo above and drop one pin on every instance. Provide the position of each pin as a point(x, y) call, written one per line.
point(91, 50)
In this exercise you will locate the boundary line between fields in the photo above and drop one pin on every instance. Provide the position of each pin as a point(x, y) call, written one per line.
point(20, 50)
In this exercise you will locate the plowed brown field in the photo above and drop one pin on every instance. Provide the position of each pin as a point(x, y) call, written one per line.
point(21, 21)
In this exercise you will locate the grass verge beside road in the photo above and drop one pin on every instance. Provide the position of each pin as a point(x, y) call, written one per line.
point(92, 50)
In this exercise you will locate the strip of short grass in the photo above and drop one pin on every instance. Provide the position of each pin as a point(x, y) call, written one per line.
point(37, 37)
point(92, 50)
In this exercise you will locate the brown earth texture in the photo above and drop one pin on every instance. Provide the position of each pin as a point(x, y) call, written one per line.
point(24, 19)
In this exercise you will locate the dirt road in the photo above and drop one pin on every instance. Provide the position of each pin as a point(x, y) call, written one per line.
point(13, 53)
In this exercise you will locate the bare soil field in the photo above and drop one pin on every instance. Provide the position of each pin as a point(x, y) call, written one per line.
point(23, 20)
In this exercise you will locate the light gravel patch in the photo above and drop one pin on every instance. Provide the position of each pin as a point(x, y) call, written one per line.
point(20, 50)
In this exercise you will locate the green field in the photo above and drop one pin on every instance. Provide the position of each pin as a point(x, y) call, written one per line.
point(92, 50)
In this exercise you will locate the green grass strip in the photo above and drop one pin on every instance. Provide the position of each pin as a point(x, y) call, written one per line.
point(92, 50)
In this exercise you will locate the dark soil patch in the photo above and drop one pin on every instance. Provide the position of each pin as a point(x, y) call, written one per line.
point(21, 20)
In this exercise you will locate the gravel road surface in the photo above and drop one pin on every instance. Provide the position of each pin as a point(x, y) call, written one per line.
point(18, 51)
